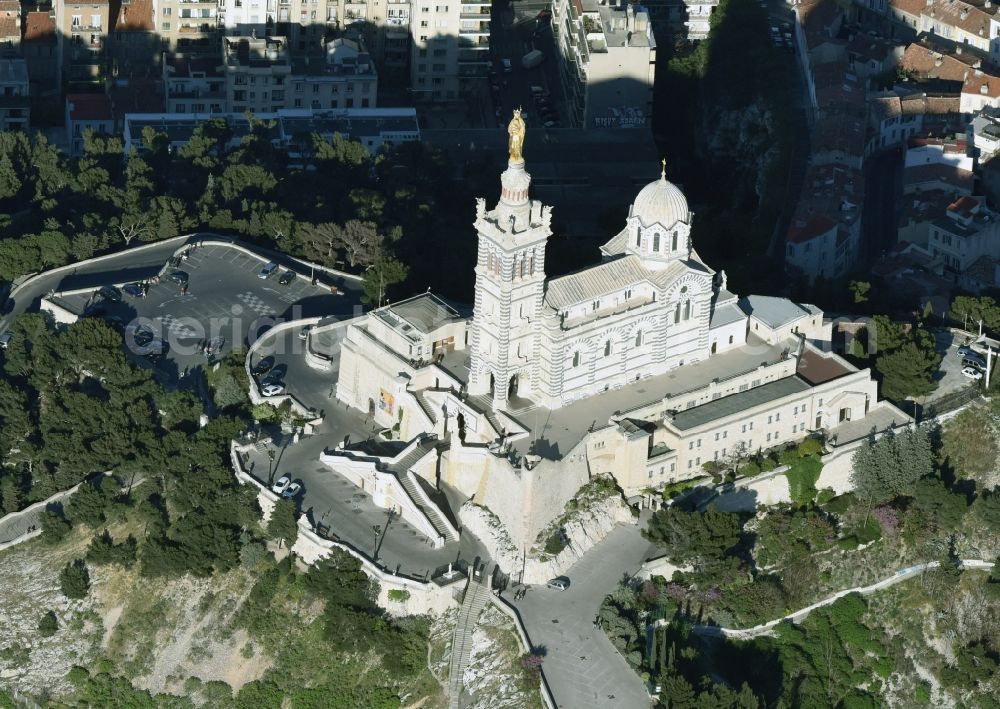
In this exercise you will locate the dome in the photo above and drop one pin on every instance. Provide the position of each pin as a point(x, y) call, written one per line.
point(662, 202)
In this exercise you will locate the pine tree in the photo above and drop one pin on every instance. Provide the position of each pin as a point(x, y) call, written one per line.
point(10, 183)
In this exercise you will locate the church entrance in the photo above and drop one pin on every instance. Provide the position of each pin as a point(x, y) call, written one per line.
point(512, 387)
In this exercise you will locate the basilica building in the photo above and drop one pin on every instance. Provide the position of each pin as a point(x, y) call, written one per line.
point(644, 367)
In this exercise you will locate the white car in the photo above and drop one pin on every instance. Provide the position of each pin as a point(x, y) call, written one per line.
point(269, 270)
point(972, 373)
point(283, 482)
point(272, 389)
point(304, 332)
point(291, 491)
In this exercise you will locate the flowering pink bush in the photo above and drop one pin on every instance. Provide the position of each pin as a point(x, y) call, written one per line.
point(888, 517)
point(531, 661)
point(676, 591)
point(711, 595)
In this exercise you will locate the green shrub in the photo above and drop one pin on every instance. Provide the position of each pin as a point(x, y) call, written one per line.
point(103, 550)
point(841, 503)
point(867, 531)
point(74, 579)
point(750, 469)
point(824, 496)
point(55, 527)
point(398, 594)
point(809, 446)
point(87, 505)
point(555, 543)
point(48, 625)
point(767, 464)
point(802, 477)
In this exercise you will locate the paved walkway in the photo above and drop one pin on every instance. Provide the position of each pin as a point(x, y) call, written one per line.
point(16, 526)
point(582, 667)
point(798, 615)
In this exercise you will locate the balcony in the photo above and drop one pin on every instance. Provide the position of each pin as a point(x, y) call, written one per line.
point(86, 28)
point(473, 30)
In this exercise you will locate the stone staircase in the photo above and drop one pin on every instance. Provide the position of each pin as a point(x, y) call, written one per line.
point(425, 405)
point(412, 486)
point(477, 595)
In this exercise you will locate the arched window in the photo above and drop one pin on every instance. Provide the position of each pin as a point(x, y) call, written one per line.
point(638, 238)
point(638, 338)
point(687, 309)
point(489, 261)
point(523, 266)
point(677, 313)
point(673, 242)
point(607, 348)
point(531, 265)
point(576, 359)
point(656, 242)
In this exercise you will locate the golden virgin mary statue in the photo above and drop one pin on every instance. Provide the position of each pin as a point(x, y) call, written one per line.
point(515, 129)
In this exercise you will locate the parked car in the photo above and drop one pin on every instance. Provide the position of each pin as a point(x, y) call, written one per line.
point(286, 278)
point(140, 335)
point(283, 482)
point(507, 66)
point(304, 332)
point(135, 290)
point(974, 362)
point(179, 277)
point(559, 583)
point(215, 346)
point(272, 389)
point(263, 365)
point(110, 293)
point(5, 339)
point(972, 373)
point(291, 491)
point(269, 270)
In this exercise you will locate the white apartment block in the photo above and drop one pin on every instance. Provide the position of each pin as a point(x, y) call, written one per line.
point(967, 232)
point(608, 62)
point(451, 46)
point(195, 84)
point(262, 76)
point(184, 25)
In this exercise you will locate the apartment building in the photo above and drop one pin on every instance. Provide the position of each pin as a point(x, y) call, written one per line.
point(81, 33)
point(194, 84)
point(301, 22)
point(451, 47)
point(256, 71)
point(40, 50)
point(823, 239)
point(187, 25)
point(10, 28)
point(87, 112)
point(607, 63)
point(372, 127)
point(263, 75)
point(135, 45)
point(14, 102)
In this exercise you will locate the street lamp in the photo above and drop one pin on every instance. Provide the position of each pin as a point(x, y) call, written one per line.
point(270, 466)
point(377, 528)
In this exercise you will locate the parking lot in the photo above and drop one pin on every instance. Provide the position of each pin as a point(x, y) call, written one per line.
point(223, 301)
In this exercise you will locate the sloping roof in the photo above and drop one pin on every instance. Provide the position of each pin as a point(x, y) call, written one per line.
point(726, 315)
point(89, 107)
point(925, 63)
point(135, 16)
point(803, 230)
point(885, 107)
point(735, 403)
point(981, 84)
point(39, 27)
point(949, 174)
point(616, 244)
point(910, 7)
point(774, 312)
point(594, 282)
point(929, 105)
point(964, 16)
point(9, 26)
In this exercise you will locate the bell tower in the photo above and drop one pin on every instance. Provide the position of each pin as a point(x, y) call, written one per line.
point(510, 284)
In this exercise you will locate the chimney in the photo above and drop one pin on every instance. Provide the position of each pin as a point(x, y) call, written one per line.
point(984, 89)
point(965, 13)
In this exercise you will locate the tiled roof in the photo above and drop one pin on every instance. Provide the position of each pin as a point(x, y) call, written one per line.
point(870, 47)
point(736, 403)
point(983, 269)
point(9, 27)
point(808, 229)
point(964, 16)
point(929, 105)
point(39, 27)
point(981, 84)
point(909, 7)
point(135, 16)
point(885, 107)
point(925, 63)
point(964, 205)
point(89, 107)
point(947, 174)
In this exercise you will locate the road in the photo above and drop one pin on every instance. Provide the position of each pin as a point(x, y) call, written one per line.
point(582, 667)
point(898, 576)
